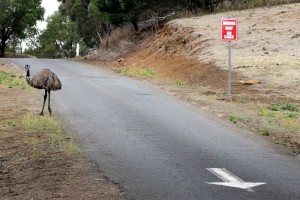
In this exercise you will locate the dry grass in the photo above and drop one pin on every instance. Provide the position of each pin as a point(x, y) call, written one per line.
point(118, 38)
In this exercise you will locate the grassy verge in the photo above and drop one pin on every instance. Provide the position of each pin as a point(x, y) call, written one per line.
point(13, 80)
point(280, 122)
point(138, 73)
point(43, 134)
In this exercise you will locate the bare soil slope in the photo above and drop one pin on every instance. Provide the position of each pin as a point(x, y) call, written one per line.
point(268, 46)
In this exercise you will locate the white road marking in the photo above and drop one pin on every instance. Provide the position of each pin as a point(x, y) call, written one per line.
point(230, 180)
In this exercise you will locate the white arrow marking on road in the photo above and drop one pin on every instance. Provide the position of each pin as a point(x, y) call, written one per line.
point(231, 180)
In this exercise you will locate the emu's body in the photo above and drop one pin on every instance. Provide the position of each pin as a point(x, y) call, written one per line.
point(44, 79)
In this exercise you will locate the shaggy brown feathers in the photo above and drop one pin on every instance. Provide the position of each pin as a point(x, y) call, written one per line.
point(44, 79)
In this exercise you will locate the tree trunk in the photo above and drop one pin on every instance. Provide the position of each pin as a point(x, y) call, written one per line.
point(134, 21)
point(2, 47)
point(105, 27)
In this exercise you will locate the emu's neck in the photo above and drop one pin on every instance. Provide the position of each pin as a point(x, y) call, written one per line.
point(28, 78)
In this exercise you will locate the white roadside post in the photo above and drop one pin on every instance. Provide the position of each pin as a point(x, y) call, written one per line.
point(77, 50)
point(229, 32)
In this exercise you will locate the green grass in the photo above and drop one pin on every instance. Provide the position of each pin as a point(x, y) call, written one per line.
point(274, 107)
point(180, 82)
point(139, 73)
point(284, 117)
point(41, 124)
point(292, 115)
point(290, 107)
point(58, 139)
point(264, 131)
point(75, 149)
point(148, 73)
point(279, 111)
point(232, 118)
point(12, 81)
point(263, 112)
point(8, 126)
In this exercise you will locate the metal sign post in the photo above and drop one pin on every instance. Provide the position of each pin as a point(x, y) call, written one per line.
point(229, 71)
point(229, 33)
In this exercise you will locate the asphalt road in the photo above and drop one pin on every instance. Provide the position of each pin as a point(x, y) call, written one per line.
point(158, 147)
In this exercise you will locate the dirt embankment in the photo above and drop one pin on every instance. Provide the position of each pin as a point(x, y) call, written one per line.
point(191, 50)
point(268, 46)
point(190, 61)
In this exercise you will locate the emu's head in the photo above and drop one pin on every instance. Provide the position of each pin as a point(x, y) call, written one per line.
point(27, 67)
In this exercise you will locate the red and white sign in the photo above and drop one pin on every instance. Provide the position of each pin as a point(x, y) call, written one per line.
point(229, 29)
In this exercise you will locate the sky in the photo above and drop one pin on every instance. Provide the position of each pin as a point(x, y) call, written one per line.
point(50, 6)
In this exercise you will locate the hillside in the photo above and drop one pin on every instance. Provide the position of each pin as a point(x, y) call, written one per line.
point(187, 58)
point(268, 44)
point(268, 49)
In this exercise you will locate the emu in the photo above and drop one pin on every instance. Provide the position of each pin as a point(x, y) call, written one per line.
point(44, 79)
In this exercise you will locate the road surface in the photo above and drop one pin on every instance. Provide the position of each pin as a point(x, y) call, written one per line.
point(158, 147)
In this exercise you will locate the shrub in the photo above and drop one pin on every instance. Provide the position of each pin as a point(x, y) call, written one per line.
point(275, 107)
point(232, 118)
point(290, 106)
point(180, 82)
point(264, 131)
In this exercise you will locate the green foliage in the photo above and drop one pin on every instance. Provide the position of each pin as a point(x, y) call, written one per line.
point(8, 126)
point(292, 115)
point(17, 16)
point(252, 3)
point(76, 150)
point(12, 80)
point(58, 40)
point(97, 18)
point(56, 138)
point(275, 107)
point(232, 118)
point(140, 73)
point(279, 116)
point(264, 131)
point(180, 82)
point(148, 73)
point(290, 107)
point(89, 25)
point(41, 124)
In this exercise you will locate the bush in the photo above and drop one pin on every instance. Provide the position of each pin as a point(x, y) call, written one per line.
point(290, 106)
point(264, 131)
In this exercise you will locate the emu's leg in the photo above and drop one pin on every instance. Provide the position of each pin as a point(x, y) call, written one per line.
point(45, 97)
point(50, 111)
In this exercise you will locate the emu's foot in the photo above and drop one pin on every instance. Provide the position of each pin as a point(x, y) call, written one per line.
point(41, 114)
point(50, 110)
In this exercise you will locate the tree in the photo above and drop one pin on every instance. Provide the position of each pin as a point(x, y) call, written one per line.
point(58, 40)
point(15, 17)
point(77, 11)
point(95, 19)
